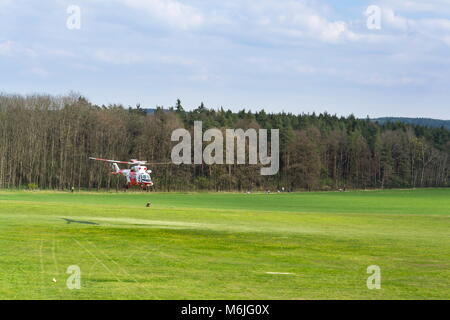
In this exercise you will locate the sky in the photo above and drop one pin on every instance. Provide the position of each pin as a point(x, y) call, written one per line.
point(298, 56)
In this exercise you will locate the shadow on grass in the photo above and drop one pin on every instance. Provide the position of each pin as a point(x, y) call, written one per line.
point(69, 221)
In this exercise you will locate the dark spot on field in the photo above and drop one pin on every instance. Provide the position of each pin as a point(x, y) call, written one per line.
point(69, 221)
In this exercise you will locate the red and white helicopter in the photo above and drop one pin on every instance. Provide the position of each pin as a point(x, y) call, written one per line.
point(137, 175)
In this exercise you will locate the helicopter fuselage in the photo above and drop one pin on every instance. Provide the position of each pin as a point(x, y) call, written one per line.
point(137, 176)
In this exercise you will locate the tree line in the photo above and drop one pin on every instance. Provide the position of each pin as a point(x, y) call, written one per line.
point(45, 141)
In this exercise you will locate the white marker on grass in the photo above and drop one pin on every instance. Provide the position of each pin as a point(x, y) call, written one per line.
point(279, 273)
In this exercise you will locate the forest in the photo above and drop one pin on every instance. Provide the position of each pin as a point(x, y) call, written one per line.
point(46, 142)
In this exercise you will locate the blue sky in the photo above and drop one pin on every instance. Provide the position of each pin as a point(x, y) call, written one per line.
point(291, 55)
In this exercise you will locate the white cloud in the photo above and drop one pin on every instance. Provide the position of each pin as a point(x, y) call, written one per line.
point(118, 57)
point(390, 80)
point(396, 22)
point(290, 21)
point(421, 6)
point(12, 48)
point(171, 12)
point(126, 57)
point(298, 19)
point(367, 77)
point(6, 47)
point(85, 67)
point(301, 19)
point(437, 29)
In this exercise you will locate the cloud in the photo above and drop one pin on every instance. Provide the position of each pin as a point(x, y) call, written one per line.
point(126, 57)
point(304, 20)
point(393, 21)
point(341, 74)
point(118, 57)
point(420, 6)
point(171, 12)
point(6, 47)
point(293, 20)
point(13, 48)
point(435, 29)
point(290, 19)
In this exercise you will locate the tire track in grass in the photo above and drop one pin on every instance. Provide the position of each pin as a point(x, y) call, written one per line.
point(55, 262)
point(100, 262)
point(41, 260)
point(122, 269)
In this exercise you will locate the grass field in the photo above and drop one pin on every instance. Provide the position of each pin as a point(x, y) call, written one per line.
point(225, 246)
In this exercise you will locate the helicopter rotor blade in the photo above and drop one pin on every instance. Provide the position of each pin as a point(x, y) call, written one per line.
point(132, 162)
point(110, 161)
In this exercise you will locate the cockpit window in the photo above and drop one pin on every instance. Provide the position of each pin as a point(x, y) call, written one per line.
point(145, 178)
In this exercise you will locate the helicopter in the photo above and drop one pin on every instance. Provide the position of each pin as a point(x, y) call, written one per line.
point(137, 175)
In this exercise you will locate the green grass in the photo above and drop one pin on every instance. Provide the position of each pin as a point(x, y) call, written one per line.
point(221, 246)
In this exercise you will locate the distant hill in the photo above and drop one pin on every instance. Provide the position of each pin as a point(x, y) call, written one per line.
point(426, 122)
point(153, 110)
point(149, 110)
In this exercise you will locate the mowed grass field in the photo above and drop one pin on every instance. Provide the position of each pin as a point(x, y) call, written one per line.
point(225, 246)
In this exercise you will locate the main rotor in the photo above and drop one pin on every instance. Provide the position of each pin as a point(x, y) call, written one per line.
point(131, 162)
